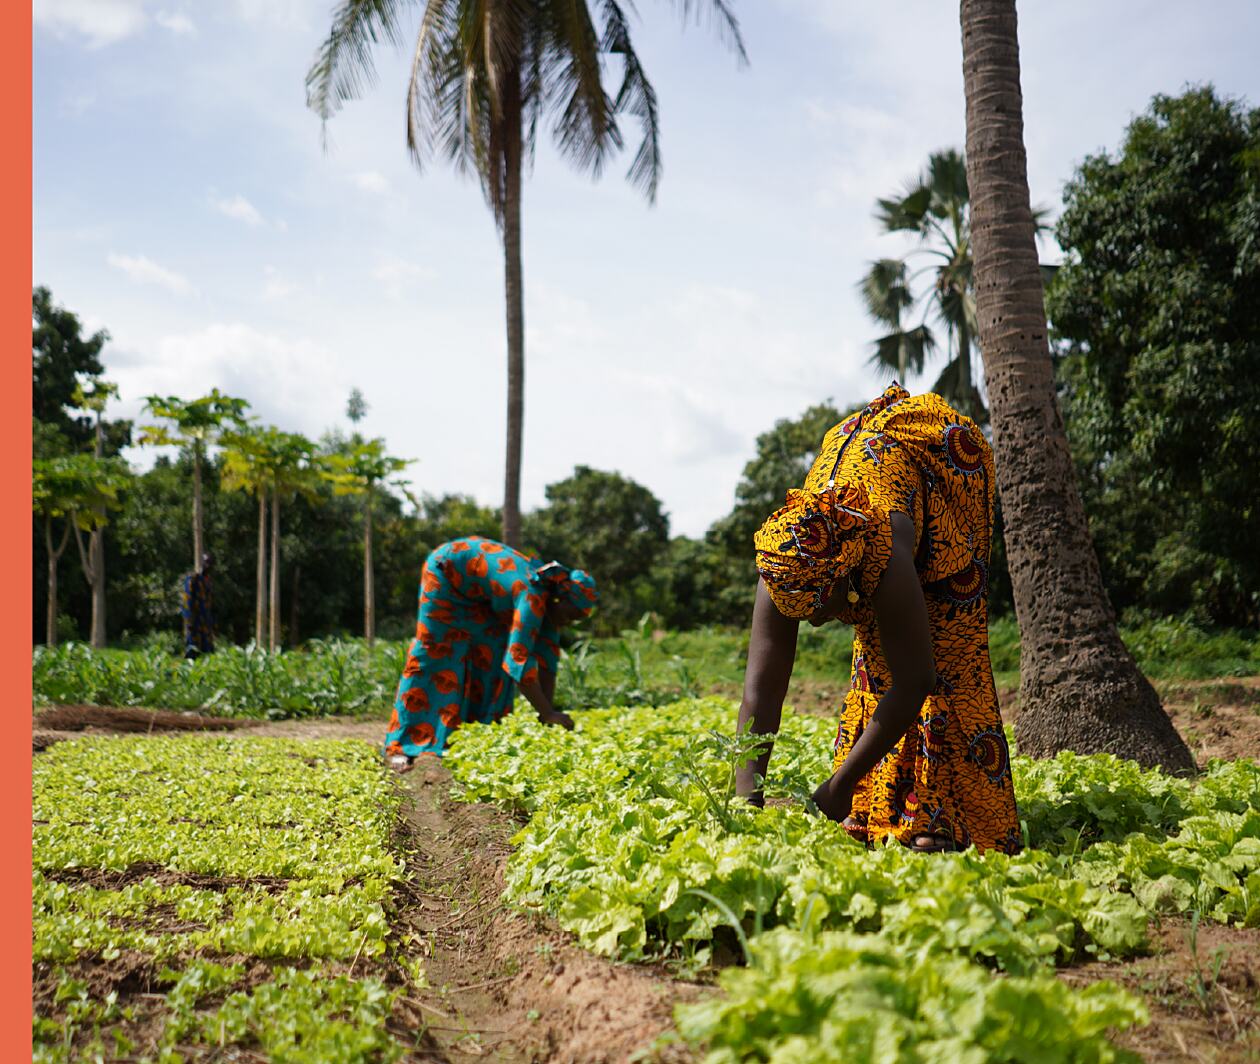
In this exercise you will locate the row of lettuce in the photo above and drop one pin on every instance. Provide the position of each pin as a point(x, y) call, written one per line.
point(204, 893)
point(634, 843)
point(643, 666)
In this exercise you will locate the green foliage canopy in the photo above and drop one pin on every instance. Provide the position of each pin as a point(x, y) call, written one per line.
point(1156, 311)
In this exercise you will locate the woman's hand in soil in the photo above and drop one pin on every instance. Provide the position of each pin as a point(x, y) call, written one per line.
point(555, 716)
point(834, 799)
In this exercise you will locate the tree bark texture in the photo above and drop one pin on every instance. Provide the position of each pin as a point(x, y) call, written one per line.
point(514, 295)
point(1080, 687)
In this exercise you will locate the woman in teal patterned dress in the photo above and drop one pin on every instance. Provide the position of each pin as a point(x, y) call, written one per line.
point(486, 627)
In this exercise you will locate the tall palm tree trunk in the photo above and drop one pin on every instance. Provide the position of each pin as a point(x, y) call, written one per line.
point(260, 599)
point(1080, 688)
point(513, 290)
point(369, 584)
point(964, 369)
point(54, 557)
point(198, 519)
point(273, 640)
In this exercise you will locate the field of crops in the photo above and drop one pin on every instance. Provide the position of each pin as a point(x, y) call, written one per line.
point(238, 888)
point(641, 667)
point(245, 897)
point(635, 844)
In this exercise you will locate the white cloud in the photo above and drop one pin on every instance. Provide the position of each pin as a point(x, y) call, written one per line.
point(277, 286)
point(144, 270)
point(176, 22)
point(289, 14)
point(101, 22)
point(398, 276)
point(241, 209)
point(293, 383)
point(371, 181)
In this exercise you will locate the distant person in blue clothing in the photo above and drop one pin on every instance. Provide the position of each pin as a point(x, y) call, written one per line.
point(197, 610)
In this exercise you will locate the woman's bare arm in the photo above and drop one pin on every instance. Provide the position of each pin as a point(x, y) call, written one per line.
point(771, 655)
point(905, 636)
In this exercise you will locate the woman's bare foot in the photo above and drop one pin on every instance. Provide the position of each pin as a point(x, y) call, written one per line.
point(401, 763)
point(932, 844)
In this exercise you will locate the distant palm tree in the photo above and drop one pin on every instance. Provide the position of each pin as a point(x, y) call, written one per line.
point(482, 77)
point(936, 205)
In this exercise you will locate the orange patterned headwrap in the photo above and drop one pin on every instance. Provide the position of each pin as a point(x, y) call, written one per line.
point(804, 548)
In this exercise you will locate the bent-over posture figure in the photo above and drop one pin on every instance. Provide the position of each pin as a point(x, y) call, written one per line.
point(486, 626)
point(891, 533)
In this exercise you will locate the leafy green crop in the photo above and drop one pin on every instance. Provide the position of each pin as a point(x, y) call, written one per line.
point(219, 847)
point(633, 844)
point(639, 667)
point(842, 998)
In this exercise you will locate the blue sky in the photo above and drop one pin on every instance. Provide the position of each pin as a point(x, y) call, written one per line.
point(184, 200)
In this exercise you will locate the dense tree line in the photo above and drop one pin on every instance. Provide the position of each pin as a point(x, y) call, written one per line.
point(1156, 321)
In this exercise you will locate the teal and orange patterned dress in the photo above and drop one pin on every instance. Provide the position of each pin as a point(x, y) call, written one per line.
point(481, 628)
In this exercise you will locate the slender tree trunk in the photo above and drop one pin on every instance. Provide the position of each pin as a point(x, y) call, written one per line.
point(369, 584)
point(260, 599)
point(293, 605)
point(97, 553)
point(54, 557)
point(1081, 688)
point(198, 525)
point(513, 289)
point(274, 638)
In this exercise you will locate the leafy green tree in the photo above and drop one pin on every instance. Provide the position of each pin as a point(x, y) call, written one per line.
point(152, 540)
point(79, 490)
point(61, 356)
point(482, 79)
point(936, 208)
point(363, 469)
point(195, 424)
point(275, 466)
point(609, 525)
point(1156, 313)
point(94, 395)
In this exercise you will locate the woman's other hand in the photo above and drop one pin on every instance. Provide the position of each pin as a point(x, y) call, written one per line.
point(555, 716)
point(834, 799)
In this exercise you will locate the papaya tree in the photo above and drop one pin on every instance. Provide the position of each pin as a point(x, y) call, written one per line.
point(94, 395)
point(195, 424)
point(363, 468)
point(71, 489)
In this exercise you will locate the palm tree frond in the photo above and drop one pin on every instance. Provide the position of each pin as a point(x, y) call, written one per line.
point(946, 177)
point(344, 66)
point(886, 291)
point(637, 97)
point(910, 212)
point(585, 128)
point(724, 20)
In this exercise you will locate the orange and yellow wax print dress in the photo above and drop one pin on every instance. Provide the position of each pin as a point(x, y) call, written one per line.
point(950, 775)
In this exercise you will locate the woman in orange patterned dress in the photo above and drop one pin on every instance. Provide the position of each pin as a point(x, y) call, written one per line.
point(891, 533)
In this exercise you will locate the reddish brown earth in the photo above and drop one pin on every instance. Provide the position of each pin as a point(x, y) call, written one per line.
point(1199, 1012)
